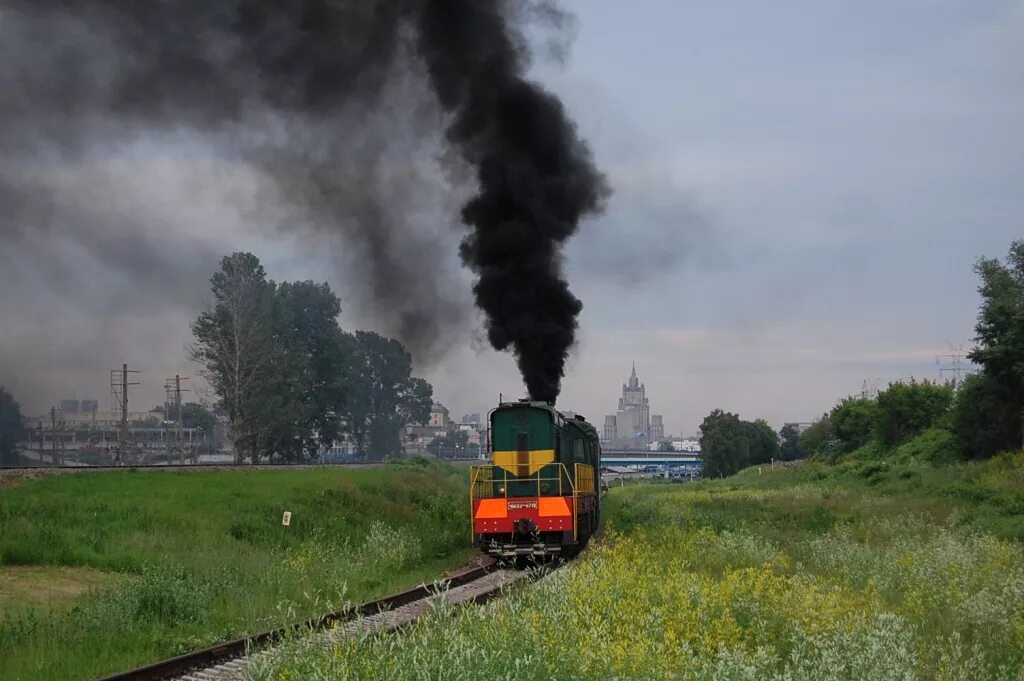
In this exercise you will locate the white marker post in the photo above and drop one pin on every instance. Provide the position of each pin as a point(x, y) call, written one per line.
point(286, 519)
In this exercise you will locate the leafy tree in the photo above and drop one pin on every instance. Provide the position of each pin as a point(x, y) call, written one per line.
point(196, 415)
point(853, 422)
point(148, 421)
point(984, 418)
point(666, 446)
point(235, 344)
point(905, 410)
point(1000, 336)
point(762, 441)
point(313, 364)
point(387, 396)
point(724, 444)
point(817, 439)
point(12, 428)
point(789, 435)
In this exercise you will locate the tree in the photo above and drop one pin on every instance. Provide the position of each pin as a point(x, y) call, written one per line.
point(666, 446)
point(724, 445)
point(1000, 334)
point(789, 435)
point(817, 439)
point(762, 441)
point(12, 428)
point(195, 415)
point(905, 410)
point(853, 422)
point(235, 345)
point(385, 397)
point(313, 365)
point(984, 418)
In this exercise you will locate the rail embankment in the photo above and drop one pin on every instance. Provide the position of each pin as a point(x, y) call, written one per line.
point(106, 571)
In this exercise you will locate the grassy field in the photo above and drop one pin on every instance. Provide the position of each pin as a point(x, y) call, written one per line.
point(862, 571)
point(100, 572)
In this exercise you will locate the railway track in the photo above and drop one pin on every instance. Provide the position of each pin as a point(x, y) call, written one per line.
point(15, 472)
point(185, 467)
point(228, 661)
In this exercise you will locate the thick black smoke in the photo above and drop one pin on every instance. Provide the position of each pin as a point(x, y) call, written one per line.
point(536, 180)
point(305, 92)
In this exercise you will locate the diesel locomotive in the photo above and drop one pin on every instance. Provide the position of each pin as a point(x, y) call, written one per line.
point(541, 493)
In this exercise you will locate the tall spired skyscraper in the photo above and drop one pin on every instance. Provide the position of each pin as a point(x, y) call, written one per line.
point(631, 424)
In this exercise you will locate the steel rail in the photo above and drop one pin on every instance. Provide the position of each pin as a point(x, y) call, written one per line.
point(228, 650)
point(211, 465)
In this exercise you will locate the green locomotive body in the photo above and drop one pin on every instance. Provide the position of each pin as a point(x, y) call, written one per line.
point(540, 495)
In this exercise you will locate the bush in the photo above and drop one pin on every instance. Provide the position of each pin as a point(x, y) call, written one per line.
point(985, 420)
point(853, 421)
point(905, 410)
point(935, 445)
point(817, 439)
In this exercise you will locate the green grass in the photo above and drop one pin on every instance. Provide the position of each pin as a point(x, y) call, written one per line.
point(202, 556)
point(869, 569)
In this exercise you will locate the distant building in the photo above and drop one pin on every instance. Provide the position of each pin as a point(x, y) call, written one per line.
point(800, 426)
point(439, 418)
point(92, 436)
point(632, 424)
point(657, 428)
point(688, 445)
point(416, 437)
point(609, 428)
point(471, 419)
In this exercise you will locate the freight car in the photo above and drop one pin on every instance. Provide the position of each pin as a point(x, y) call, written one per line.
point(540, 495)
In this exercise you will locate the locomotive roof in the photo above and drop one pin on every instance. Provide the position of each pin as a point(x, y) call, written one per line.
point(577, 420)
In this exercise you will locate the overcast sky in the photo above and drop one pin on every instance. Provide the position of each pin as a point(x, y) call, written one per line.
point(800, 191)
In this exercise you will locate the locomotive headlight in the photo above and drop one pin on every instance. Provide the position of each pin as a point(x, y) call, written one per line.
point(501, 490)
point(544, 488)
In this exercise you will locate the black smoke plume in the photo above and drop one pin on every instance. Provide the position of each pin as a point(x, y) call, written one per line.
point(536, 180)
point(324, 98)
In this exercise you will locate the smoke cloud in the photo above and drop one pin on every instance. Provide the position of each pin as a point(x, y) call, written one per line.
point(319, 118)
point(536, 180)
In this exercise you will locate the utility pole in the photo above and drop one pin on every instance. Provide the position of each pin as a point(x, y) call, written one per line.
point(119, 391)
point(53, 433)
point(173, 389)
point(177, 402)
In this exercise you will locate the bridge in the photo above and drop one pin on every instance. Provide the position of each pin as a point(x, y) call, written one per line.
point(639, 459)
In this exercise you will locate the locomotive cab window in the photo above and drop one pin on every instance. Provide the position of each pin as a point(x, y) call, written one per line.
point(579, 450)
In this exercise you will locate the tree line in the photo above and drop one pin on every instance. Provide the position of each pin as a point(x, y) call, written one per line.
point(975, 418)
point(289, 380)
